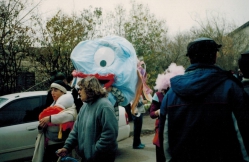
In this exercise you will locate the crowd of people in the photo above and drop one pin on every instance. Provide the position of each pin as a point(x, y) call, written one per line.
point(202, 114)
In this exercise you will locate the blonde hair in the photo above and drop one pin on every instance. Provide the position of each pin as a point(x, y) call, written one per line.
point(92, 88)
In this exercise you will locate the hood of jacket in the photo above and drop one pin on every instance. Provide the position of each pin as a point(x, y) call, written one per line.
point(198, 80)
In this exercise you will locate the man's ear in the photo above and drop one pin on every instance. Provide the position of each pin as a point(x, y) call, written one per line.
point(190, 60)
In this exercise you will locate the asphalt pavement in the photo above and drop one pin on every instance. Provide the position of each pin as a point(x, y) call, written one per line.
point(148, 154)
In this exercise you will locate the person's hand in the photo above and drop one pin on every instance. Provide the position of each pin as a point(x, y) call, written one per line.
point(157, 112)
point(108, 89)
point(44, 121)
point(61, 152)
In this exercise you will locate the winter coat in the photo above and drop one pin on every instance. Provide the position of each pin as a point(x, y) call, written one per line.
point(95, 131)
point(64, 119)
point(62, 115)
point(155, 104)
point(201, 114)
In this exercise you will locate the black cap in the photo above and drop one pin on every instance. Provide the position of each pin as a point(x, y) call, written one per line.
point(202, 45)
point(57, 76)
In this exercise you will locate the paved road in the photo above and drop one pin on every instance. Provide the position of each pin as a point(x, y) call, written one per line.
point(127, 153)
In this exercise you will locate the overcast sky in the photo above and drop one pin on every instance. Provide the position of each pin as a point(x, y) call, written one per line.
point(179, 14)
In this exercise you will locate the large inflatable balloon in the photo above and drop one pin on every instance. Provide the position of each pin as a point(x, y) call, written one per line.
point(112, 60)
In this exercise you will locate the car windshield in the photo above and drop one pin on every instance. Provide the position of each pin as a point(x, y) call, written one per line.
point(2, 101)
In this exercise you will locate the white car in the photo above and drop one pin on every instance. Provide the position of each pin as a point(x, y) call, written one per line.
point(19, 120)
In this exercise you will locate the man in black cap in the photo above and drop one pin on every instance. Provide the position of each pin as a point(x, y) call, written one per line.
point(244, 68)
point(204, 116)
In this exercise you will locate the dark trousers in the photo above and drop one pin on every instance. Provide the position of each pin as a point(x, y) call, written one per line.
point(138, 122)
point(49, 154)
point(128, 111)
point(160, 155)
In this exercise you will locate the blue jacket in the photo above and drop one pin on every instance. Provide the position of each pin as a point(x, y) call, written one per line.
point(200, 114)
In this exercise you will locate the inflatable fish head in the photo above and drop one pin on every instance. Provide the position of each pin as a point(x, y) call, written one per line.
point(112, 60)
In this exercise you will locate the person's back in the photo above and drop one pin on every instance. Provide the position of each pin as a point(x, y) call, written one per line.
point(200, 111)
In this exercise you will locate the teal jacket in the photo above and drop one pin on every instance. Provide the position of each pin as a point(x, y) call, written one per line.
point(95, 131)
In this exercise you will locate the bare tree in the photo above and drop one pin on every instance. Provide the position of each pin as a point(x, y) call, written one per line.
point(221, 30)
point(59, 36)
point(114, 22)
point(15, 41)
point(147, 34)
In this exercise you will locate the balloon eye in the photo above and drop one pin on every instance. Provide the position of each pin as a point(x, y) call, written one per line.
point(104, 57)
point(103, 63)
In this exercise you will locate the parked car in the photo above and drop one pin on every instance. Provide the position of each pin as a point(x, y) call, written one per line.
point(19, 120)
